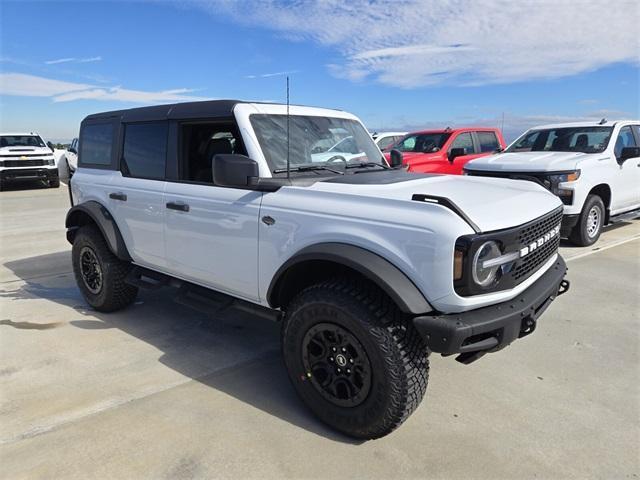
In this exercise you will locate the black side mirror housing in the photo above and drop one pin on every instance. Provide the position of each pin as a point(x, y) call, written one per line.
point(72, 150)
point(396, 158)
point(627, 153)
point(455, 152)
point(50, 145)
point(234, 170)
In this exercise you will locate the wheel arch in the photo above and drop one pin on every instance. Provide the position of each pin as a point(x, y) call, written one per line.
point(603, 190)
point(94, 213)
point(320, 262)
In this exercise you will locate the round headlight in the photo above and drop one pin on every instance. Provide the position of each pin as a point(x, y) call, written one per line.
point(487, 251)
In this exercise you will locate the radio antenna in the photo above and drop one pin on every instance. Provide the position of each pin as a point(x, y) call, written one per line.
point(288, 163)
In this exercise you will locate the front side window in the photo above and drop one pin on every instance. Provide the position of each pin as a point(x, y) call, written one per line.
point(97, 140)
point(313, 141)
point(464, 141)
point(488, 141)
point(200, 142)
point(566, 139)
point(21, 141)
point(145, 150)
point(423, 142)
point(625, 139)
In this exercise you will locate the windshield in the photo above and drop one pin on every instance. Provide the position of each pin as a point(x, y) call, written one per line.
point(314, 141)
point(21, 141)
point(570, 139)
point(422, 142)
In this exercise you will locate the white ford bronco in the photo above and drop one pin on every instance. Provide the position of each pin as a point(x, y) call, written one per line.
point(594, 167)
point(25, 156)
point(369, 268)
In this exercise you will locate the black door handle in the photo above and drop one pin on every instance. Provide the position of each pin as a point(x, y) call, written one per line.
point(183, 207)
point(118, 196)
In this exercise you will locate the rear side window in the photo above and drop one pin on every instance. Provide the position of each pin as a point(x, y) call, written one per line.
point(465, 141)
point(144, 154)
point(488, 141)
point(97, 142)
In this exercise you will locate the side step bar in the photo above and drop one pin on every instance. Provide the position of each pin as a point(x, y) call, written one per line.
point(197, 297)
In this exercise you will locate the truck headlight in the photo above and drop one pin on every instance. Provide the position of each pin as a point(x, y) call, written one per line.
point(52, 161)
point(556, 179)
point(483, 274)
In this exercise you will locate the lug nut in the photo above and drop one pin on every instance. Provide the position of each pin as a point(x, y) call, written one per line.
point(339, 371)
point(334, 349)
point(331, 359)
point(344, 349)
point(351, 360)
point(348, 371)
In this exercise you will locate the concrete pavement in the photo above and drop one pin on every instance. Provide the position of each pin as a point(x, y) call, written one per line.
point(160, 391)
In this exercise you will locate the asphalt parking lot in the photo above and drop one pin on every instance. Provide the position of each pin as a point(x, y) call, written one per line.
point(160, 391)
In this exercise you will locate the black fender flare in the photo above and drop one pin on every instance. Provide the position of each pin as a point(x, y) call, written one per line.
point(372, 266)
point(98, 213)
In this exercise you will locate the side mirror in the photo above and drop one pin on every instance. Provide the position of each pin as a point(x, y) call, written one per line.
point(456, 152)
point(396, 158)
point(72, 150)
point(627, 153)
point(233, 170)
point(50, 145)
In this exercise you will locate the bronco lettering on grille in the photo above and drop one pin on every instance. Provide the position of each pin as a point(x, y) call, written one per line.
point(539, 242)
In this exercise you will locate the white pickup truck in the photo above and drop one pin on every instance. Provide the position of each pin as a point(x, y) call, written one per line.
point(25, 156)
point(594, 167)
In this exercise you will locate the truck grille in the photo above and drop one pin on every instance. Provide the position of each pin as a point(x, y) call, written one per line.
point(528, 235)
point(25, 163)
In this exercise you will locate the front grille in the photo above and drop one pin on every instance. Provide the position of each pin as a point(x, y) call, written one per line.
point(25, 163)
point(528, 235)
point(22, 154)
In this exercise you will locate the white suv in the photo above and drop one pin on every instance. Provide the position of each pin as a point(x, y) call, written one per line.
point(369, 268)
point(594, 167)
point(25, 156)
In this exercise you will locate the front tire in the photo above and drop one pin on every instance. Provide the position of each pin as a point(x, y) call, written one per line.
point(54, 183)
point(589, 227)
point(100, 275)
point(355, 360)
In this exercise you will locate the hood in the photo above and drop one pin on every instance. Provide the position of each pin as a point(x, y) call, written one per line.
point(26, 151)
point(490, 203)
point(528, 162)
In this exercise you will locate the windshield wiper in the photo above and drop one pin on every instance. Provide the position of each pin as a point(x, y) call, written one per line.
point(367, 164)
point(308, 168)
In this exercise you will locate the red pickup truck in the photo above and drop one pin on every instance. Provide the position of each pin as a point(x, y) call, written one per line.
point(448, 150)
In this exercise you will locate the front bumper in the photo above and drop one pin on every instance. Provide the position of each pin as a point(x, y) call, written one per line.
point(474, 333)
point(38, 173)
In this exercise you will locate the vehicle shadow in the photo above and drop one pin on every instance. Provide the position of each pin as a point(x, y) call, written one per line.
point(232, 352)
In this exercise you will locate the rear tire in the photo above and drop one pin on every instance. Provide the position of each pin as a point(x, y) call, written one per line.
point(100, 275)
point(355, 360)
point(590, 223)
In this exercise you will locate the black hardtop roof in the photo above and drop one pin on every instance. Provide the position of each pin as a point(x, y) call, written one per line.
point(175, 111)
point(205, 109)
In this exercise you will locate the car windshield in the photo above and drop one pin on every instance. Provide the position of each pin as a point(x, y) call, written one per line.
point(314, 141)
point(569, 139)
point(422, 142)
point(21, 141)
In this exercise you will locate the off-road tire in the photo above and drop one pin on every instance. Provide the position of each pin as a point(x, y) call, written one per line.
point(54, 183)
point(114, 293)
point(397, 354)
point(581, 235)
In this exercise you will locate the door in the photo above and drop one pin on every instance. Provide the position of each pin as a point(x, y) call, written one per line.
point(462, 140)
point(625, 188)
point(136, 196)
point(211, 232)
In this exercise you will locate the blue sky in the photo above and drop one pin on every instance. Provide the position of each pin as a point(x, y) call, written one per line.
point(400, 64)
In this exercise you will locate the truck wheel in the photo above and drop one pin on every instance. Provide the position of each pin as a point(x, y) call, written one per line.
point(100, 275)
point(355, 360)
point(54, 183)
point(590, 224)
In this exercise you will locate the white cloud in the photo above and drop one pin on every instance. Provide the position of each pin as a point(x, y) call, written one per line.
point(73, 60)
point(411, 43)
point(269, 75)
point(18, 84)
